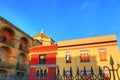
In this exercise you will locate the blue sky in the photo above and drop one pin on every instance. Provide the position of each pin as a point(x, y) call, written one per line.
point(64, 19)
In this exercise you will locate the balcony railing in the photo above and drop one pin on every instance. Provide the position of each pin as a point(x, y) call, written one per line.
point(7, 41)
point(6, 65)
point(25, 49)
point(22, 67)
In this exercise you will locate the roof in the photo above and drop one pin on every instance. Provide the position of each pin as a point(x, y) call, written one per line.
point(43, 48)
point(43, 35)
point(92, 40)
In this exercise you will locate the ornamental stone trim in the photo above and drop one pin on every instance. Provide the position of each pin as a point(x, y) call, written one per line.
point(44, 65)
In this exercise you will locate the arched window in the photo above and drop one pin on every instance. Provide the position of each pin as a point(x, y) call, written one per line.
point(4, 39)
point(43, 72)
point(5, 53)
point(37, 72)
point(7, 35)
point(22, 58)
point(24, 43)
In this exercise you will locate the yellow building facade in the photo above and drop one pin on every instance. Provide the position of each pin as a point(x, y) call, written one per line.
point(93, 51)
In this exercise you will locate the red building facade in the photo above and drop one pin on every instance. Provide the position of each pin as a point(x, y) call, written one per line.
point(43, 62)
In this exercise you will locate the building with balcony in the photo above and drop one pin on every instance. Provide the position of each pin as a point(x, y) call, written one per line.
point(17, 49)
point(43, 58)
point(14, 49)
point(86, 53)
point(70, 55)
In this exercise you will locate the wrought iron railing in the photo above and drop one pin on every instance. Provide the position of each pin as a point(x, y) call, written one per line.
point(92, 76)
point(13, 77)
point(112, 75)
point(6, 65)
point(22, 67)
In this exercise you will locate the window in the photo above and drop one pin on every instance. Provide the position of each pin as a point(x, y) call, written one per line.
point(67, 72)
point(41, 72)
point(84, 56)
point(68, 76)
point(37, 72)
point(45, 73)
point(20, 46)
point(18, 66)
point(4, 39)
point(19, 74)
point(88, 75)
point(68, 57)
point(42, 59)
point(106, 75)
point(102, 53)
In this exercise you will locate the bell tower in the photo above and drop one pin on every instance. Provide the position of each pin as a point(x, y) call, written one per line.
point(43, 38)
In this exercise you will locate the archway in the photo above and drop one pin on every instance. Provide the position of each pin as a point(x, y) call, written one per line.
point(5, 52)
point(24, 43)
point(22, 58)
point(7, 35)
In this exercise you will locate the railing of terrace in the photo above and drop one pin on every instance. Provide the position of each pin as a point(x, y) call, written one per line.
point(78, 76)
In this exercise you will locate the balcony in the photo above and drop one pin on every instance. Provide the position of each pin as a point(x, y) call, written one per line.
point(21, 67)
point(7, 41)
point(25, 49)
point(6, 65)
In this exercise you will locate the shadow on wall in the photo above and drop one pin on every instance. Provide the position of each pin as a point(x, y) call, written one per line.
point(89, 68)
